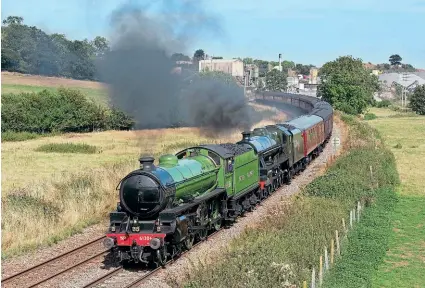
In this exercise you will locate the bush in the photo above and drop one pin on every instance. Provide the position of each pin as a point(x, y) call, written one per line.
point(417, 100)
point(383, 103)
point(18, 136)
point(67, 148)
point(369, 116)
point(66, 110)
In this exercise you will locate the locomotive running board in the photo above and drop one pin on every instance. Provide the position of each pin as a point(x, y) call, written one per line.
point(170, 215)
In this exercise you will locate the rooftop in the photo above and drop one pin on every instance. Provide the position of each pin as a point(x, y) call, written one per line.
point(398, 78)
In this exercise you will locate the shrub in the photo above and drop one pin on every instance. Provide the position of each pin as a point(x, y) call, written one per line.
point(417, 100)
point(67, 148)
point(66, 110)
point(369, 116)
point(383, 103)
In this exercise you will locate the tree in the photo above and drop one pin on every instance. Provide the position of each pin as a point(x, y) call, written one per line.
point(395, 59)
point(417, 100)
point(13, 20)
point(101, 45)
point(219, 75)
point(287, 65)
point(347, 85)
point(179, 57)
point(276, 80)
point(30, 50)
point(199, 55)
point(303, 69)
point(247, 61)
point(217, 57)
point(260, 84)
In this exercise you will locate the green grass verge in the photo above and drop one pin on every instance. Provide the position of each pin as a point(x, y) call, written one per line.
point(98, 95)
point(67, 148)
point(290, 240)
point(405, 260)
point(367, 244)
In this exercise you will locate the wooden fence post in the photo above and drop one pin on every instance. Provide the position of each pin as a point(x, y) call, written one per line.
point(305, 284)
point(358, 211)
point(343, 226)
point(351, 219)
point(338, 251)
point(313, 278)
point(332, 251)
point(326, 259)
point(321, 271)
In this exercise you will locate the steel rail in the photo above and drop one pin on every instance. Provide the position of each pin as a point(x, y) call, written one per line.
point(8, 279)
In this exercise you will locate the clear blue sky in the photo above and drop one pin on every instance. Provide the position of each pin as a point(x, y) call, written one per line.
point(303, 31)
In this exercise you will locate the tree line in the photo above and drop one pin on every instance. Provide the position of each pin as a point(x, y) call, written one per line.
point(29, 50)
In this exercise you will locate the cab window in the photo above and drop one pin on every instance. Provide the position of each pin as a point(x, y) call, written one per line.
point(229, 165)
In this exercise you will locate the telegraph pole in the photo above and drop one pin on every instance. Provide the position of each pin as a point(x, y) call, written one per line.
point(403, 91)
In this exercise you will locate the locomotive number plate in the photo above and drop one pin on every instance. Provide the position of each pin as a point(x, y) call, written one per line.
point(145, 238)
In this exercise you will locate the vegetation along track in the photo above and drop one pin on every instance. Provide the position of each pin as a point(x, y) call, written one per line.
point(140, 277)
point(56, 266)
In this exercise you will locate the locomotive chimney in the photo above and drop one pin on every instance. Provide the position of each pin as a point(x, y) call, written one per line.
point(146, 163)
point(246, 135)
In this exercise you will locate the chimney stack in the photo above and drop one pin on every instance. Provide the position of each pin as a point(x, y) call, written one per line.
point(146, 163)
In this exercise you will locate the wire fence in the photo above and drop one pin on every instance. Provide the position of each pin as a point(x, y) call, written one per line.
point(332, 250)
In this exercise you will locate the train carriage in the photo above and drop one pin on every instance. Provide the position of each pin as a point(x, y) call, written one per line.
point(312, 131)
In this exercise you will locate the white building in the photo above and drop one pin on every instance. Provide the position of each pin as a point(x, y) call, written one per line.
point(233, 67)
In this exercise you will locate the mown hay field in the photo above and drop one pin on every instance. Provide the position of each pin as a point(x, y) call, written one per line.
point(50, 195)
point(18, 83)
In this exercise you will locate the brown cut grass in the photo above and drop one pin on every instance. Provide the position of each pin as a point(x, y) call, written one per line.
point(13, 78)
point(49, 196)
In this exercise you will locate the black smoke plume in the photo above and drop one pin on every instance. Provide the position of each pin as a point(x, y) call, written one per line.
point(139, 69)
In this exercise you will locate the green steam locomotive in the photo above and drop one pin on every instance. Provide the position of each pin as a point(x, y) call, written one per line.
point(165, 208)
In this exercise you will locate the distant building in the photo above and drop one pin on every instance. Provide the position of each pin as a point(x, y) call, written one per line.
point(313, 76)
point(234, 67)
point(420, 73)
point(369, 66)
point(293, 82)
point(408, 80)
point(252, 72)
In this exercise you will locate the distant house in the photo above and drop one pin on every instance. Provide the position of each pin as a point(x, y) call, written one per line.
point(234, 67)
point(410, 80)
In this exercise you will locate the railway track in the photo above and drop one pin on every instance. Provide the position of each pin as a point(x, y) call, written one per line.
point(37, 274)
point(144, 277)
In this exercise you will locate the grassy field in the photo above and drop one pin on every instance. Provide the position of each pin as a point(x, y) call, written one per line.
point(405, 261)
point(98, 95)
point(49, 195)
point(17, 83)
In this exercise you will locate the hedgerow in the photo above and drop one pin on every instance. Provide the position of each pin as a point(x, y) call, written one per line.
point(66, 110)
